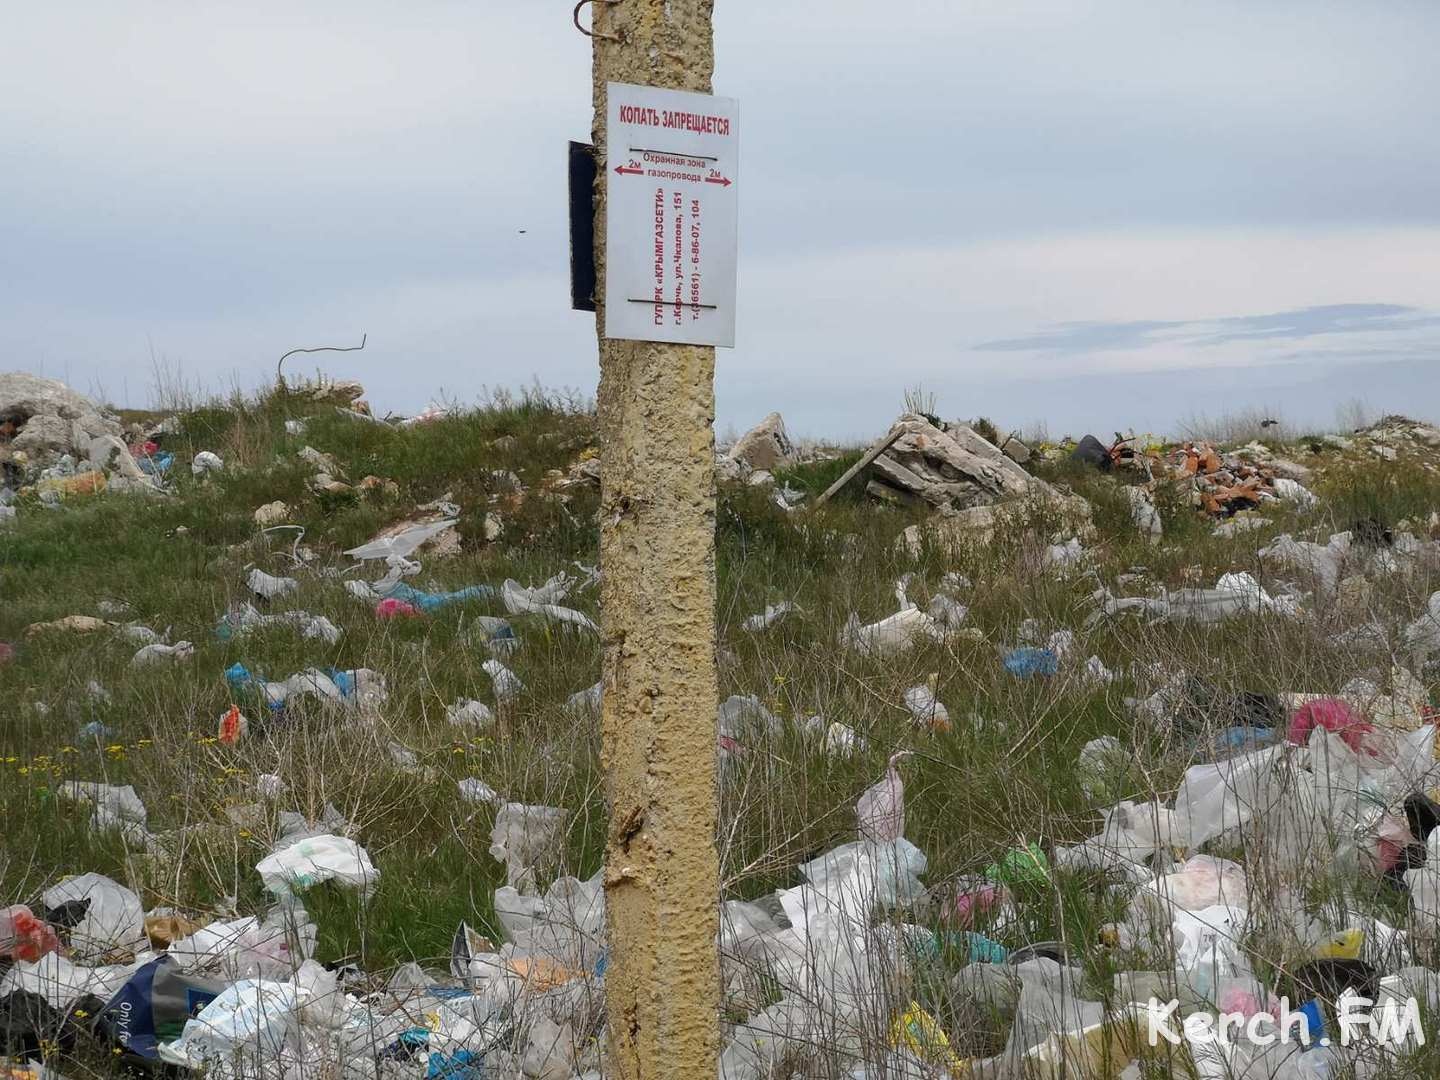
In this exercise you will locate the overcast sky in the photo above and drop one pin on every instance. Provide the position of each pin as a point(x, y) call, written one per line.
point(1088, 214)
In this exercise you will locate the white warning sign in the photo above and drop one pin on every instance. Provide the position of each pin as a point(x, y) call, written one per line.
point(672, 180)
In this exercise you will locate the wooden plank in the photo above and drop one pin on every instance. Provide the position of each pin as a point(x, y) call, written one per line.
point(854, 470)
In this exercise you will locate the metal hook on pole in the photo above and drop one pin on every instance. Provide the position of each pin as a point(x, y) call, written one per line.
point(575, 18)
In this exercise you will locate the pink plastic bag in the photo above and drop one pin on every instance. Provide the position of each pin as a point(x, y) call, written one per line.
point(396, 609)
point(23, 936)
point(1335, 717)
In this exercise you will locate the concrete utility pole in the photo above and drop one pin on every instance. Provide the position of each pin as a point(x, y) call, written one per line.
point(657, 615)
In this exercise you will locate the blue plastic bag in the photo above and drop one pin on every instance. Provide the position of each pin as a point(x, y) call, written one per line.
point(1026, 663)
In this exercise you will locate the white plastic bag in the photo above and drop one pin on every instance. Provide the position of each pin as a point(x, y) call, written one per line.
point(253, 1016)
point(467, 712)
point(314, 859)
point(542, 601)
point(269, 586)
point(927, 710)
point(206, 462)
point(507, 684)
point(772, 614)
point(114, 922)
point(249, 948)
point(890, 636)
point(474, 790)
point(62, 983)
point(1224, 795)
point(159, 652)
point(525, 838)
point(587, 700)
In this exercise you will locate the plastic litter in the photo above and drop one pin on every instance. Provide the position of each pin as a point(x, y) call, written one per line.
point(253, 1017)
point(61, 984)
point(1144, 513)
point(949, 614)
point(113, 922)
point(270, 786)
point(140, 635)
point(433, 601)
point(1324, 563)
point(742, 717)
point(920, 1033)
point(1423, 635)
point(1294, 491)
point(1020, 866)
point(508, 686)
point(925, 709)
point(842, 741)
point(390, 608)
point(477, 791)
point(1066, 555)
point(24, 937)
point(891, 636)
point(1334, 716)
point(311, 860)
point(268, 586)
point(245, 618)
point(158, 653)
point(1026, 663)
point(587, 700)
point(206, 462)
point(542, 601)
point(1061, 642)
point(402, 544)
point(232, 727)
point(153, 1004)
point(360, 687)
point(880, 810)
point(467, 712)
point(1101, 760)
point(772, 614)
point(527, 838)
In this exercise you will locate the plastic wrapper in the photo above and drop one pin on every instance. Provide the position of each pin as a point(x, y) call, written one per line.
point(507, 684)
point(1049, 1001)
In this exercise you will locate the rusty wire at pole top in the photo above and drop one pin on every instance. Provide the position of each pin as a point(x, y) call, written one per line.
point(575, 18)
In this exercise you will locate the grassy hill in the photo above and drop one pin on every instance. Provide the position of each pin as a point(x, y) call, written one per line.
point(1005, 774)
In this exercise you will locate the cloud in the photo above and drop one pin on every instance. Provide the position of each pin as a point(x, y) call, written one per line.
point(1080, 337)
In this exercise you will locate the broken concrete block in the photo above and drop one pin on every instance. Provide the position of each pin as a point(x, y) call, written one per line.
point(950, 466)
point(766, 445)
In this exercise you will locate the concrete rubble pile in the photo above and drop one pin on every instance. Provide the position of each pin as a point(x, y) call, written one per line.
point(948, 466)
point(60, 441)
point(1219, 484)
